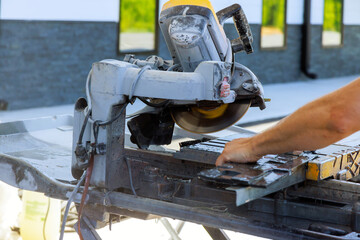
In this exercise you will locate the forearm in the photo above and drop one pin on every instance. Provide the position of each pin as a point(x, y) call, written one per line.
point(309, 128)
point(316, 125)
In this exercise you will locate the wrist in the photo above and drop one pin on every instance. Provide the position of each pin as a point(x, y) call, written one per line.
point(255, 149)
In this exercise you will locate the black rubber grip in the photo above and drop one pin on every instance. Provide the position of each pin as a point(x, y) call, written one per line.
point(244, 42)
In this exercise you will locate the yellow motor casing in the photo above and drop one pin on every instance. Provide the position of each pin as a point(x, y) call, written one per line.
point(173, 3)
point(199, 3)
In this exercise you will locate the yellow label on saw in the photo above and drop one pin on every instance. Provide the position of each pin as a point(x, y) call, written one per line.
point(200, 3)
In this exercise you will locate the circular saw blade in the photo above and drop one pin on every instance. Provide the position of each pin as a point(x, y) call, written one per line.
point(203, 120)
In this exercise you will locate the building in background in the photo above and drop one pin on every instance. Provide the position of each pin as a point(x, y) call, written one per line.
point(47, 47)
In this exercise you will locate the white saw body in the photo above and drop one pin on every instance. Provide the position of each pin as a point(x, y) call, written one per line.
point(201, 88)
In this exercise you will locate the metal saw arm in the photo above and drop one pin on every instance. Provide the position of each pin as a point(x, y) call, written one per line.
point(116, 79)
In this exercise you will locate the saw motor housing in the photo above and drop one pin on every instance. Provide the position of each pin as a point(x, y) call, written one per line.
point(201, 89)
point(194, 33)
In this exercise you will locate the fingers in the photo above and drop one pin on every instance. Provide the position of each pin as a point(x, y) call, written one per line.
point(225, 155)
point(238, 151)
point(229, 155)
point(220, 160)
point(297, 153)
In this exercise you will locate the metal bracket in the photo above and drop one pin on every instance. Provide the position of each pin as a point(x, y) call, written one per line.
point(339, 162)
point(216, 233)
point(115, 151)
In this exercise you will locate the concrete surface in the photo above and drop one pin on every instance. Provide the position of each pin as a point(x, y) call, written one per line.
point(285, 99)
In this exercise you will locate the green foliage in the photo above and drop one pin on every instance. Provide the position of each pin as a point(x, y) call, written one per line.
point(333, 15)
point(137, 15)
point(274, 14)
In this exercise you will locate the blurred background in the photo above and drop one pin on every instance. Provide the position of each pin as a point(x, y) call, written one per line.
point(47, 47)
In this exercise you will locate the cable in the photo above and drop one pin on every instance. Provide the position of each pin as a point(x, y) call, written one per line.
point(71, 198)
point(86, 188)
point(97, 124)
point(130, 176)
point(101, 124)
point(145, 68)
point(88, 95)
point(46, 217)
point(83, 127)
point(96, 127)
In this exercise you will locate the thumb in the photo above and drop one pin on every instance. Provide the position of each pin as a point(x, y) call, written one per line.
point(220, 160)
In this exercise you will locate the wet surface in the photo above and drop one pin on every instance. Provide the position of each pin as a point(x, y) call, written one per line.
point(265, 172)
point(48, 149)
point(207, 152)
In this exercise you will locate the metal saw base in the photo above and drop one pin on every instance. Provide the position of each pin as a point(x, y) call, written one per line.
point(168, 185)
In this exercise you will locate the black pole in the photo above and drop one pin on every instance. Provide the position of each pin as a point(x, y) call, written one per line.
point(306, 41)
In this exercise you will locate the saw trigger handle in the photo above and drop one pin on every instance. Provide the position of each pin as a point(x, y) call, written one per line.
point(244, 42)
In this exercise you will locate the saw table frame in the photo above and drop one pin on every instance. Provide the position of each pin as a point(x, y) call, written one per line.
point(287, 213)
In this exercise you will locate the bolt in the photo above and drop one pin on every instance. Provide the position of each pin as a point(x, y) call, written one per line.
point(227, 66)
point(241, 74)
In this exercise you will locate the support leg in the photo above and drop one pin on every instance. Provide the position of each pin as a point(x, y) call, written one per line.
point(216, 233)
point(173, 233)
point(178, 228)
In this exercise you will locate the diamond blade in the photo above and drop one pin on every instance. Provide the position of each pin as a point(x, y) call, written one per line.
point(202, 120)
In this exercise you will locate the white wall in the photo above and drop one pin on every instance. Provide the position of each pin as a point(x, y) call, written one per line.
point(295, 12)
point(252, 8)
point(317, 12)
point(108, 10)
point(352, 12)
point(96, 10)
point(61, 10)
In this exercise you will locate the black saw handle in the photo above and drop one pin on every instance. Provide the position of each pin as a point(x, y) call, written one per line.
point(244, 42)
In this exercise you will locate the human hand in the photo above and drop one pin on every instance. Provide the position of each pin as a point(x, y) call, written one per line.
point(240, 151)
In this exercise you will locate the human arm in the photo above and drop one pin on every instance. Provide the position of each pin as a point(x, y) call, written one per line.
point(313, 126)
